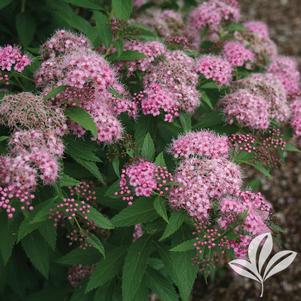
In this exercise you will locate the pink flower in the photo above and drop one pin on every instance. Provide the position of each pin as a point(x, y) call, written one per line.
point(203, 143)
point(215, 68)
point(258, 27)
point(286, 70)
point(296, 116)
point(11, 59)
point(247, 109)
point(237, 54)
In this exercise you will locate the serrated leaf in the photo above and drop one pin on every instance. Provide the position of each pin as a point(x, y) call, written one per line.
point(48, 232)
point(96, 243)
point(66, 181)
point(141, 211)
point(161, 286)
point(99, 219)
point(103, 28)
point(148, 148)
point(26, 27)
point(175, 222)
point(83, 118)
point(37, 251)
point(26, 227)
point(184, 246)
point(122, 9)
point(135, 266)
point(160, 207)
point(80, 256)
point(106, 269)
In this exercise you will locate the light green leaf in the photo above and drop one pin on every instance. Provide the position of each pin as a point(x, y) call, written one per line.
point(122, 9)
point(292, 148)
point(66, 180)
point(103, 28)
point(99, 219)
point(160, 160)
point(148, 148)
point(83, 118)
point(54, 92)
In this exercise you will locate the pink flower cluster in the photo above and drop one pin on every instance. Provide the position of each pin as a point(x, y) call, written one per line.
point(258, 27)
point(142, 179)
point(152, 50)
point(202, 180)
point(75, 206)
point(237, 54)
point(246, 109)
point(256, 100)
point(214, 67)
point(286, 70)
point(87, 78)
point(63, 41)
point(296, 116)
point(11, 59)
point(203, 143)
point(170, 86)
point(212, 14)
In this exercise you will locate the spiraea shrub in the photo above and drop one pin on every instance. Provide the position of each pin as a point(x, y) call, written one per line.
point(127, 133)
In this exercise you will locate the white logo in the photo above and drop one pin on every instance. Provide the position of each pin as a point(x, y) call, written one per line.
point(259, 250)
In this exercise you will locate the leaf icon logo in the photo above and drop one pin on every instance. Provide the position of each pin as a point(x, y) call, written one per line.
point(259, 250)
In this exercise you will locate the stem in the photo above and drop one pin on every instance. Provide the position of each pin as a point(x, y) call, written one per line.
point(23, 6)
point(262, 290)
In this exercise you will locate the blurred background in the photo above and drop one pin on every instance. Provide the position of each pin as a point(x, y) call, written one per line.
point(284, 191)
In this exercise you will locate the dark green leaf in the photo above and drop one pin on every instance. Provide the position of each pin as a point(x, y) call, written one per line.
point(80, 256)
point(106, 269)
point(66, 180)
point(85, 4)
point(103, 28)
point(175, 222)
point(96, 243)
point(26, 28)
point(99, 219)
point(4, 3)
point(48, 231)
point(83, 118)
point(134, 267)
point(184, 246)
point(160, 207)
point(141, 211)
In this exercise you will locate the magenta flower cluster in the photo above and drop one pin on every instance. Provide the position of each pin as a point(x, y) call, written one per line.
point(216, 68)
point(296, 116)
point(12, 59)
point(237, 54)
point(143, 179)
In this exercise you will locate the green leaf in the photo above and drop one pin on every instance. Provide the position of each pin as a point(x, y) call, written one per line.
point(292, 148)
point(115, 165)
point(4, 3)
point(103, 28)
point(161, 286)
point(80, 256)
point(181, 270)
point(135, 266)
point(83, 118)
point(66, 181)
point(84, 4)
point(185, 120)
point(207, 100)
point(141, 211)
point(91, 167)
point(128, 55)
point(106, 269)
point(99, 219)
point(175, 222)
point(148, 148)
point(160, 160)
point(80, 295)
point(48, 231)
point(3, 138)
point(96, 243)
point(42, 211)
point(259, 166)
point(160, 207)
point(8, 236)
point(26, 27)
point(54, 92)
point(184, 246)
point(122, 9)
point(26, 227)
point(37, 251)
